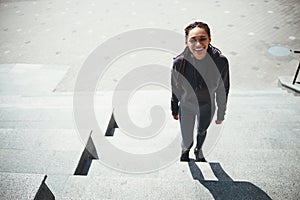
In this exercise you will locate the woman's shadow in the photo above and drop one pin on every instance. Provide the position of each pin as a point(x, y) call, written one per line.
point(225, 187)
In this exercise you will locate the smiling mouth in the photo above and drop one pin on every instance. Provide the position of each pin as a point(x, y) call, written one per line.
point(199, 50)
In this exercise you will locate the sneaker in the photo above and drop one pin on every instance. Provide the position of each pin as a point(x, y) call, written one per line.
point(185, 157)
point(199, 155)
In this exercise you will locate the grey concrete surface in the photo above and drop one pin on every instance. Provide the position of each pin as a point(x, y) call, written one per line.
point(132, 188)
point(19, 186)
point(66, 32)
point(43, 47)
point(43, 78)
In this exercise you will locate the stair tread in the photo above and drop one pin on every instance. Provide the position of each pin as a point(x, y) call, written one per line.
point(149, 188)
point(19, 185)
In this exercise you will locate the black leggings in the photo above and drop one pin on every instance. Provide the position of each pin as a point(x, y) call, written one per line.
point(187, 113)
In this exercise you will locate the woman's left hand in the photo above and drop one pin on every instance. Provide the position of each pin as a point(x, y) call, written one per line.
point(219, 121)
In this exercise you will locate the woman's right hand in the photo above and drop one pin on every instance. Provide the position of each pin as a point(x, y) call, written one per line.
point(175, 117)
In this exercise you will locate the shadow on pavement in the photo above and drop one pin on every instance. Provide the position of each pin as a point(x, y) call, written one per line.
point(225, 187)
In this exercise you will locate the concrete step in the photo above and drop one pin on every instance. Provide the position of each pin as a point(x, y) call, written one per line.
point(105, 183)
point(266, 165)
point(41, 139)
point(260, 170)
point(34, 117)
point(46, 162)
point(47, 112)
point(131, 188)
point(30, 78)
point(142, 143)
point(49, 152)
point(188, 181)
point(241, 165)
point(47, 100)
point(24, 186)
point(100, 169)
point(53, 152)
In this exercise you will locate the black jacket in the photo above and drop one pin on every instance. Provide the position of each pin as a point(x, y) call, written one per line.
point(201, 81)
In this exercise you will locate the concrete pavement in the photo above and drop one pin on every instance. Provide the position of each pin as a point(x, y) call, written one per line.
point(66, 32)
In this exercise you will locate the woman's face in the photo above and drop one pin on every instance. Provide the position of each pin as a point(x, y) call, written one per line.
point(198, 41)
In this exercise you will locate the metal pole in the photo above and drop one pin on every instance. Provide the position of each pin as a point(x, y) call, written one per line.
point(296, 75)
point(297, 71)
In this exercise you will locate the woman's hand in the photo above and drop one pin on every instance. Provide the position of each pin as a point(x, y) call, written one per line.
point(219, 121)
point(175, 117)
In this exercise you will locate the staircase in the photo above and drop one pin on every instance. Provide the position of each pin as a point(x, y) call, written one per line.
point(254, 156)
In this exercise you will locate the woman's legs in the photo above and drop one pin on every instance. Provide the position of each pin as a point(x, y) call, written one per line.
point(187, 122)
point(204, 119)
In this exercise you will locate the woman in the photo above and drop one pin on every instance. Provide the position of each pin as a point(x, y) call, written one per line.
point(200, 76)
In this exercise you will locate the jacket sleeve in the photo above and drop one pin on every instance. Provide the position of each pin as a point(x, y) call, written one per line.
point(176, 89)
point(223, 90)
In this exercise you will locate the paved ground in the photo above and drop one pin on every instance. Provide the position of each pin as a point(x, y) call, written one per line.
point(66, 32)
point(44, 45)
